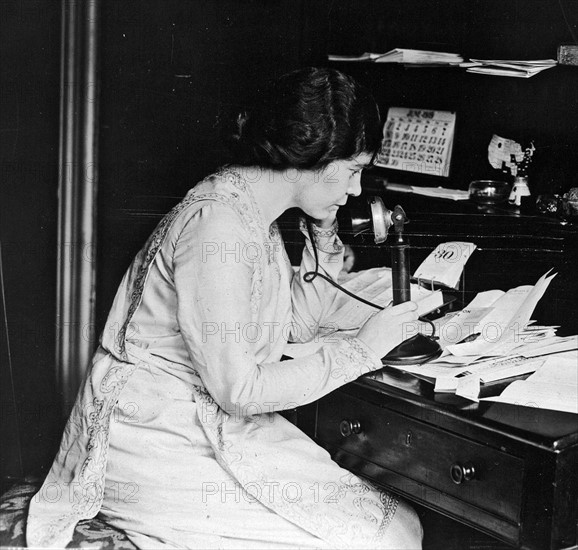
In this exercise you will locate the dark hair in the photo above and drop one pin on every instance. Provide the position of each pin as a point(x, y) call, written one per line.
point(307, 119)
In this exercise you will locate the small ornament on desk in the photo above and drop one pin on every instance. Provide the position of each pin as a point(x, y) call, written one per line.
point(520, 191)
point(508, 156)
point(570, 202)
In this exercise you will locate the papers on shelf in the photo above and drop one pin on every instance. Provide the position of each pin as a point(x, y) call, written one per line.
point(436, 192)
point(497, 67)
point(367, 56)
point(505, 67)
point(520, 62)
point(401, 55)
point(442, 193)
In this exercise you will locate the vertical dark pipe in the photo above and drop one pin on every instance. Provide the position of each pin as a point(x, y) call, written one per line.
point(400, 272)
point(77, 194)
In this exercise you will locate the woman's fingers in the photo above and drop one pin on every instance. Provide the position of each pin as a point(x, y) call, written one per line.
point(388, 327)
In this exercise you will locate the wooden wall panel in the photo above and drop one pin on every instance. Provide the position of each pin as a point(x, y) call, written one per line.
point(30, 35)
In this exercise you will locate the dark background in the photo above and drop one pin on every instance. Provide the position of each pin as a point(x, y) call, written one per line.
point(172, 72)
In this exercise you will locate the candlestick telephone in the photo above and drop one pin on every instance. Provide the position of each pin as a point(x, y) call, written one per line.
point(378, 219)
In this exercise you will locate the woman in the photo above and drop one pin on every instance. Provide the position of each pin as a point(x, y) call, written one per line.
point(175, 436)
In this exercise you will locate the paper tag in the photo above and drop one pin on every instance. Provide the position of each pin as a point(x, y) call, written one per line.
point(446, 263)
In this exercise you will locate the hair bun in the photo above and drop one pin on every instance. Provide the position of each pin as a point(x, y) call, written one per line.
point(305, 120)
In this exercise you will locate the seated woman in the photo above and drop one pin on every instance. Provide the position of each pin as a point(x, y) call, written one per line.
point(175, 436)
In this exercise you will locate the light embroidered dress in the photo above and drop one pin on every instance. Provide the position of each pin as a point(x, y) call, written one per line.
point(174, 436)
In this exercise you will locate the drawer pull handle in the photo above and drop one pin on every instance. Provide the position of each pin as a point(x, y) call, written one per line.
point(460, 473)
point(349, 427)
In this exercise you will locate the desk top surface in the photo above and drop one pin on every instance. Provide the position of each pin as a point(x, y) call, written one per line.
point(552, 430)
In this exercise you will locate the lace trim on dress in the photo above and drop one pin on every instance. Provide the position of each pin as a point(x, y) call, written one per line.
point(324, 239)
point(87, 488)
point(250, 215)
point(353, 360)
point(318, 232)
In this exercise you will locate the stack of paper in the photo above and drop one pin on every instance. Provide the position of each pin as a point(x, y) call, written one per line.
point(494, 339)
point(400, 55)
point(367, 56)
point(436, 192)
point(500, 321)
point(504, 67)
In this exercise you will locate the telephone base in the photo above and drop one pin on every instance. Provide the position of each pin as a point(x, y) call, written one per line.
point(416, 350)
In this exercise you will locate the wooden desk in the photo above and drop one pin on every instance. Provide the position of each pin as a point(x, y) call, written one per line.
point(509, 471)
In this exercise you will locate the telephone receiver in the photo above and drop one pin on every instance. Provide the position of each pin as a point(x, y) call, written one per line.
point(378, 219)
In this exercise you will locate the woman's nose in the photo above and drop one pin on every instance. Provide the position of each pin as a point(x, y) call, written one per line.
point(355, 186)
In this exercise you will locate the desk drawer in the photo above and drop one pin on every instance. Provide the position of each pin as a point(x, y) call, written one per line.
point(463, 469)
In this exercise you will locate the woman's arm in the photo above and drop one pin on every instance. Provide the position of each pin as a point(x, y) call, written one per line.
point(217, 316)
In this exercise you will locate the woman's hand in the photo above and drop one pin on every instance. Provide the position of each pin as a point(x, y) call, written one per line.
point(389, 327)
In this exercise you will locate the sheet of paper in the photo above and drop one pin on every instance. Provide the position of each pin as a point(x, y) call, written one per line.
point(528, 62)
point(556, 345)
point(437, 192)
point(486, 371)
point(446, 384)
point(469, 388)
point(501, 373)
point(561, 368)
point(453, 361)
point(540, 395)
point(442, 193)
point(553, 386)
point(522, 317)
point(461, 326)
point(485, 299)
point(500, 328)
point(367, 56)
point(514, 71)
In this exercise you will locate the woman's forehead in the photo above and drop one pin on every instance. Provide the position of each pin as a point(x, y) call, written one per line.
point(361, 160)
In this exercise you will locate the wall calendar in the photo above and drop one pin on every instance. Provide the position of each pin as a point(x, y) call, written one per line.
point(417, 140)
